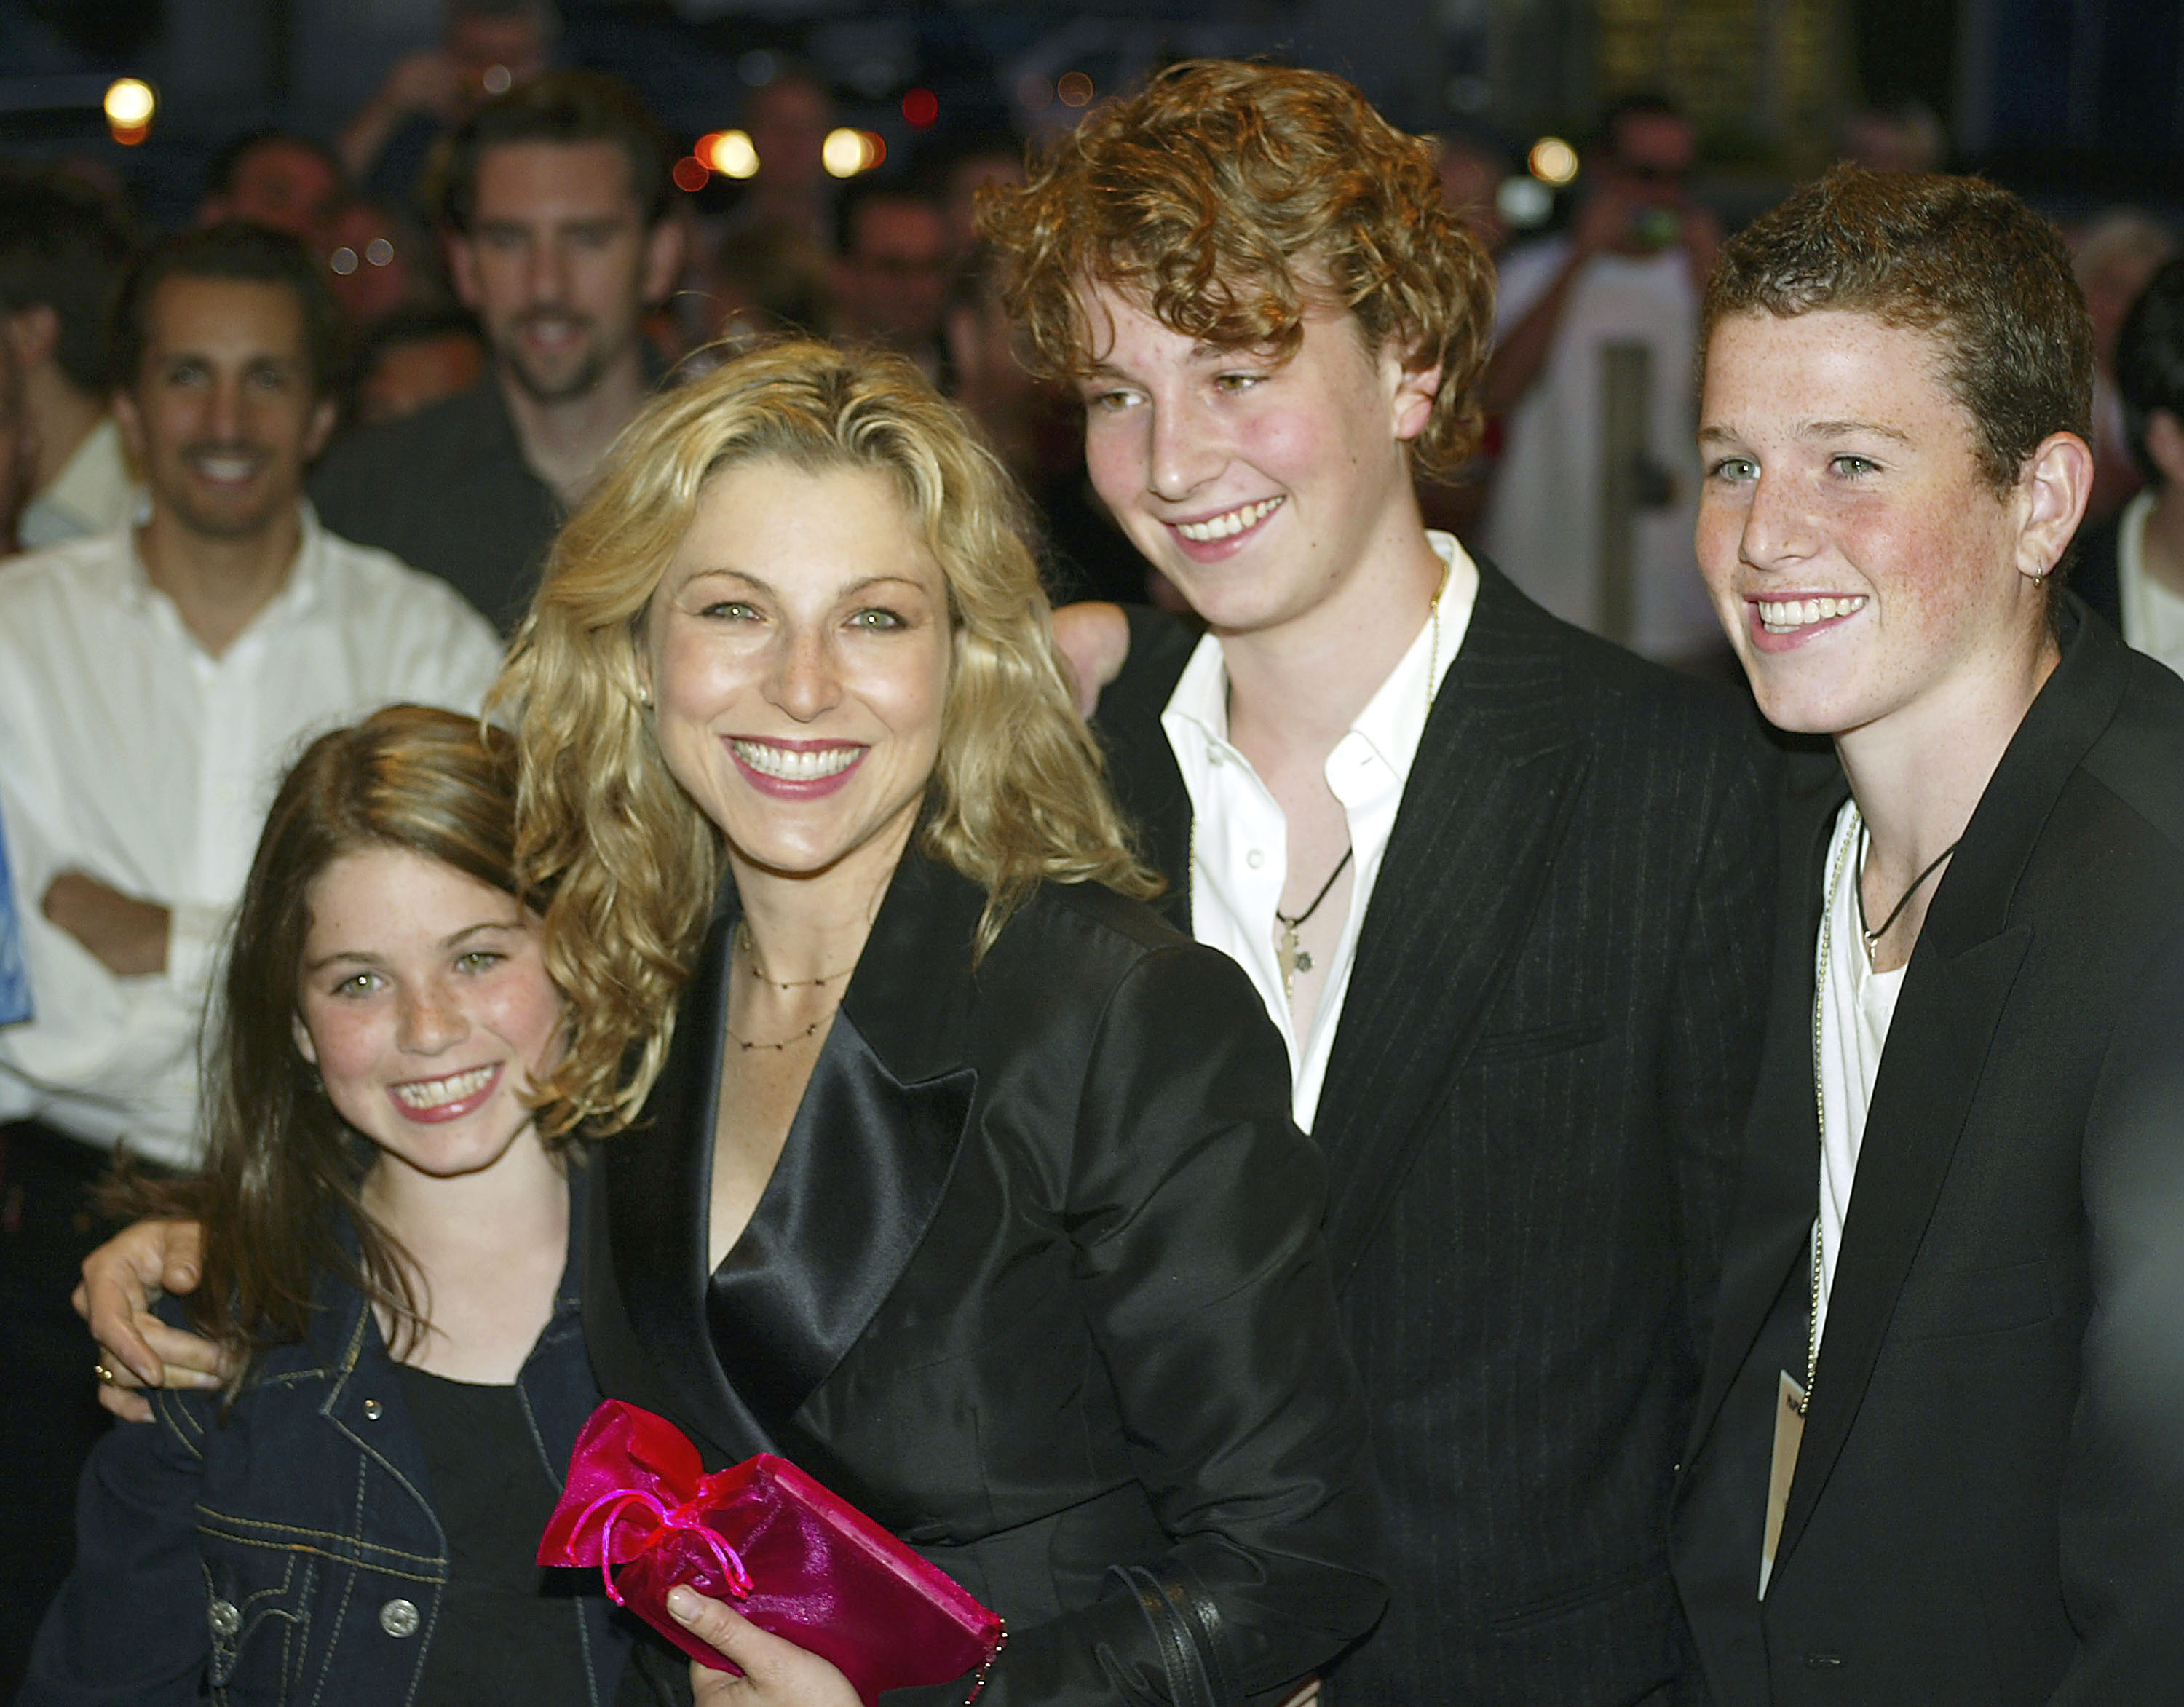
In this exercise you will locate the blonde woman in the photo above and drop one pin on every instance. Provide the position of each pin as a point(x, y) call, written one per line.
point(939, 1166)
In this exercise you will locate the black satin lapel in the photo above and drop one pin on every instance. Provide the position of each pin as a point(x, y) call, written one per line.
point(859, 1181)
point(1465, 867)
point(1780, 1193)
point(658, 1182)
point(1930, 1071)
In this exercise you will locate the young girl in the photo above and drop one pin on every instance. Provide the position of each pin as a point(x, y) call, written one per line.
point(389, 1261)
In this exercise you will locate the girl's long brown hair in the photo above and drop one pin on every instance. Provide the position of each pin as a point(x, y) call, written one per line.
point(281, 1169)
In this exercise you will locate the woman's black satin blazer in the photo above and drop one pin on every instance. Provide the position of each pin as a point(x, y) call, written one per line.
point(1037, 1283)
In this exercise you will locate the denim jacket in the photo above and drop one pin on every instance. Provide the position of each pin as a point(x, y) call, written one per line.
point(289, 1551)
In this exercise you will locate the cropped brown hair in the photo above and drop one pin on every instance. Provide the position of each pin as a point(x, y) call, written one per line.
point(631, 862)
point(281, 1168)
point(558, 106)
point(1230, 197)
point(1960, 259)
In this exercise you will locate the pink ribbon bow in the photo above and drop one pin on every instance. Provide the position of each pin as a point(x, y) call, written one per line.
point(801, 1563)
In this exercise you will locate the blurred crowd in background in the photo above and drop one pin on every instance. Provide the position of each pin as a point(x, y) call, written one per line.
point(793, 219)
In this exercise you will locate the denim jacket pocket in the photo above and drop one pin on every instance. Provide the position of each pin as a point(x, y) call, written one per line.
point(258, 1603)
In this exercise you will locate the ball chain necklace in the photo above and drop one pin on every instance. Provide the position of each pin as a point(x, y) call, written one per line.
point(1819, 1008)
point(750, 955)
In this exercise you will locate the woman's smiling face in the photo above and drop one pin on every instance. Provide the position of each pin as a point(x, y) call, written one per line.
point(798, 651)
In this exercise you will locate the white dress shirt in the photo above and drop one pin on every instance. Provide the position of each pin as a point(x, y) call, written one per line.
point(1241, 836)
point(128, 753)
point(1856, 1008)
point(2152, 615)
point(95, 491)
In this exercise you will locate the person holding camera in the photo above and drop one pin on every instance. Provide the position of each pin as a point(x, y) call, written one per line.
point(1628, 271)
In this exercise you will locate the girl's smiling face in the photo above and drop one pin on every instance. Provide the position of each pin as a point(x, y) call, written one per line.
point(426, 1006)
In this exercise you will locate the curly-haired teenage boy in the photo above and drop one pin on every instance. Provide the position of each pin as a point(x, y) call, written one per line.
point(1502, 886)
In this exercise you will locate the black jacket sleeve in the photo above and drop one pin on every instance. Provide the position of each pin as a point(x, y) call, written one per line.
point(1193, 1206)
point(2122, 1494)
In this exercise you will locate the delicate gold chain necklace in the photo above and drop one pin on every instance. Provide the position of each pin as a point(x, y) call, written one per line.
point(751, 955)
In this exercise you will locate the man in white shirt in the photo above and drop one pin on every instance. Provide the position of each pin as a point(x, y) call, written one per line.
point(62, 253)
point(1493, 878)
point(154, 681)
point(1628, 272)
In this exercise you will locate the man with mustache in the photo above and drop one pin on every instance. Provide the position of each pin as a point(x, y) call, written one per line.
point(555, 200)
point(154, 682)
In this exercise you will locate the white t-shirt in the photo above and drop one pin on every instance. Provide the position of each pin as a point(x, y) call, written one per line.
point(1857, 1005)
point(1543, 519)
point(1241, 836)
point(2152, 615)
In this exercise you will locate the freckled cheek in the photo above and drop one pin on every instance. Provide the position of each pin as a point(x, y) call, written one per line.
point(1285, 448)
point(1717, 542)
point(1111, 453)
point(525, 1009)
point(909, 698)
point(350, 1046)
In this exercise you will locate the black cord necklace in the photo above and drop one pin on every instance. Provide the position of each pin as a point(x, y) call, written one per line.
point(1293, 956)
point(1873, 937)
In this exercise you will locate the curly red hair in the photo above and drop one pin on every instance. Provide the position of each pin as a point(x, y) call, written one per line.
point(1230, 197)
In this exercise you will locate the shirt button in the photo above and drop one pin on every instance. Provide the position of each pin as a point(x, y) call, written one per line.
point(1214, 755)
point(373, 1409)
point(398, 1618)
point(1255, 858)
point(224, 1618)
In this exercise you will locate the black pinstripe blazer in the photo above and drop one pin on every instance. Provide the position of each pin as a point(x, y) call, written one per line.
point(1530, 1120)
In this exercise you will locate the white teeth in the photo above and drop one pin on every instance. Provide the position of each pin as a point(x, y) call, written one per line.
point(1787, 615)
point(437, 1093)
point(222, 468)
point(797, 764)
point(1233, 522)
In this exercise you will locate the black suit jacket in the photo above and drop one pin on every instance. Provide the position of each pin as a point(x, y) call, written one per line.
point(1531, 1121)
point(1988, 1505)
point(1038, 1284)
point(448, 490)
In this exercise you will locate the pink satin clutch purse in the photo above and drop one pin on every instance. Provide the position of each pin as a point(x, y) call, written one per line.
point(763, 1536)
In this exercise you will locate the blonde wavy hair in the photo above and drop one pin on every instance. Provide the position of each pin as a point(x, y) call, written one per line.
point(628, 863)
point(1228, 198)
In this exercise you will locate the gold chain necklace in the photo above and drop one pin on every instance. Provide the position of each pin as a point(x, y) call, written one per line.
point(751, 955)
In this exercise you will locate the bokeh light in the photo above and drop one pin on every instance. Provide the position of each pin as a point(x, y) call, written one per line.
point(1552, 161)
point(1074, 88)
point(690, 173)
point(129, 104)
point(920, 108)
point(1524, 201)
point(729, 152)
